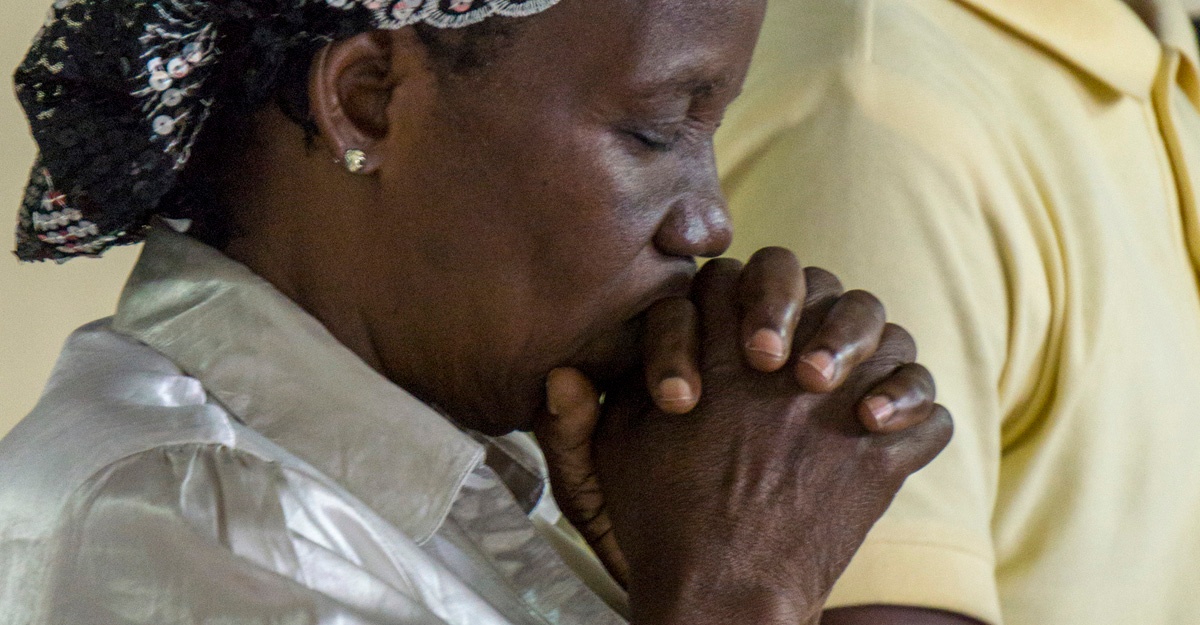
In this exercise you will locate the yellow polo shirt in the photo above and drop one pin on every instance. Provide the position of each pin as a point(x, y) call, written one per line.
point(1017, 180)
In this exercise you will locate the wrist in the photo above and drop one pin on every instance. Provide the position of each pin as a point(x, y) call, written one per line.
point(718, 599)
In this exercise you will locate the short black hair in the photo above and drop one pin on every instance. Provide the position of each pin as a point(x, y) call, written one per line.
point(454, 52)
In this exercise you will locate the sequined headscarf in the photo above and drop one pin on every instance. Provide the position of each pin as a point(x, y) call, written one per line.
point(117, 92)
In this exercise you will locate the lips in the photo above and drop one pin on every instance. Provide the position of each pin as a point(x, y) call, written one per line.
point(616, 353)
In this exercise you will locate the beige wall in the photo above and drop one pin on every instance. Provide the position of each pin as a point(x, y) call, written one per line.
point(39, 304)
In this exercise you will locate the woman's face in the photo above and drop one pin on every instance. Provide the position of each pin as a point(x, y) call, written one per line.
point(534, 207)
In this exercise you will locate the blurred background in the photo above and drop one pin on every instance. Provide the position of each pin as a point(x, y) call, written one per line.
point(39, 303)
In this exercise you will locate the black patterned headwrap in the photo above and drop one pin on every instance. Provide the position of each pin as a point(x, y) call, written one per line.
point(117, 92)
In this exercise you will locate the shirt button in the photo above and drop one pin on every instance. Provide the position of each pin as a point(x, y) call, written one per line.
point(164, 124)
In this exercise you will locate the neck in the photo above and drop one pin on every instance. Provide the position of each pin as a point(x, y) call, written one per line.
point(307, 227)
point(273, 228)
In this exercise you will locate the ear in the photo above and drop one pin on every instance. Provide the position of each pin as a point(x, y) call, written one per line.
point(352, 83)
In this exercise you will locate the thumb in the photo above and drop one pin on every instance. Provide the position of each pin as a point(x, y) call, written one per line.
point(573, 410)
point(564, 433)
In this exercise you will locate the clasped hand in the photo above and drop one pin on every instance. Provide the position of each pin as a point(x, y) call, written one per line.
point(777, 418)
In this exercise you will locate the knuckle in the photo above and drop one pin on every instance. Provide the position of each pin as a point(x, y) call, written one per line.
point(767, 303)
point(668, 347)
point(942, 426)
point(716, 281)
point(722, 265)
point(923, 379)
point(775, 255)
point(771, 287)
point(898, 344)
point(902, 453)
point(668, 315)
point(866, 303)
point(821, 283)
point(890, 459)
point(911, 385)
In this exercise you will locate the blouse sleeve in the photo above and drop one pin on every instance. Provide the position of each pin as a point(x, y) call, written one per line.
point(207, 534)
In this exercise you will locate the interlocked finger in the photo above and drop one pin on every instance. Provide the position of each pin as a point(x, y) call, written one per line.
point(849, 334)
point(671, 350)
point(906, 398)
point(771, 292)
point(713, 292)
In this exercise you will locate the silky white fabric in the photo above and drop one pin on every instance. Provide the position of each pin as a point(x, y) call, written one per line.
point(212, 455)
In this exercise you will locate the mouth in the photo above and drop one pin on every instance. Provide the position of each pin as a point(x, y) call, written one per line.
point(617, 352)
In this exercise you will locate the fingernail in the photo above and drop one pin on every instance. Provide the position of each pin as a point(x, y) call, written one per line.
point(882, 409)
point(766, 342)
point(675, 390)
point(823, 362)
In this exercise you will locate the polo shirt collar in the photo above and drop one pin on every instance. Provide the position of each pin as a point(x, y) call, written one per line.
point(1082, 33)
point(279, 371)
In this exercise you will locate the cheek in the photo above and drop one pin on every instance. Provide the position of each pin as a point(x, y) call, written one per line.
point(597, 245)
point(584, 211)
point(543, 229)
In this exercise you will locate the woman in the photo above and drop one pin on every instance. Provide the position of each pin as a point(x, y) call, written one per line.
point(479, 217)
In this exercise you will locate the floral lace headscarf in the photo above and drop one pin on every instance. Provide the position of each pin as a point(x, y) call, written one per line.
point(117, 92)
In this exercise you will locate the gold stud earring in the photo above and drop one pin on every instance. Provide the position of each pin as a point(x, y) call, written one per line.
point(355, 160)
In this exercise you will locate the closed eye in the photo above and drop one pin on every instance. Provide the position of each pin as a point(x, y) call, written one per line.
point(656, 140)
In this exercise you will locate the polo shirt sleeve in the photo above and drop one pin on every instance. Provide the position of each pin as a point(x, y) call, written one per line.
point(897, 194)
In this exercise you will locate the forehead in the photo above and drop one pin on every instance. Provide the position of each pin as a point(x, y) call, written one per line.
point(650, 41)
point(679, 20)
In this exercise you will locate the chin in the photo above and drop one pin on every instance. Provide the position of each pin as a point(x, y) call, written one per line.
point(605, 360)
point(514, 407)
point(613, 356)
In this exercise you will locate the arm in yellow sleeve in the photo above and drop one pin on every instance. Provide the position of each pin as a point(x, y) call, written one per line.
point(889, 195)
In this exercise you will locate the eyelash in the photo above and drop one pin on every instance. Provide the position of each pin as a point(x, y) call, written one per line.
point(656, 141)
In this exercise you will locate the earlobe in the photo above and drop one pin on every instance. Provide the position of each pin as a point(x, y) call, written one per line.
point(351, 85)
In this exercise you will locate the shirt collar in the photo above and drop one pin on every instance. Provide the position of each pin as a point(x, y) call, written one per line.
point(279, 371)
point(1083, 33)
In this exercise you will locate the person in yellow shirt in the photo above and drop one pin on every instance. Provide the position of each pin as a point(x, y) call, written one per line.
point(1017, 180)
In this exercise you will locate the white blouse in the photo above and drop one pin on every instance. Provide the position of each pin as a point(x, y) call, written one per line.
point(212, 455)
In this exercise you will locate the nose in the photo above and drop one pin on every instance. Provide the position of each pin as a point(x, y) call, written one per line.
point(696, 225)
